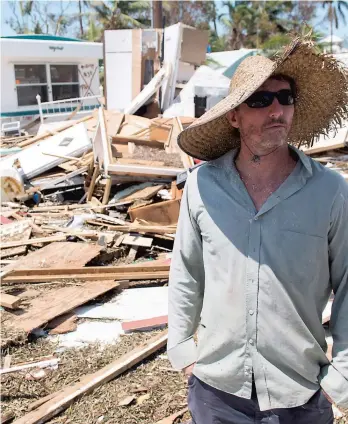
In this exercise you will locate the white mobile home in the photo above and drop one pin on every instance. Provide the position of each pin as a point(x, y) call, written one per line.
point(56, 68)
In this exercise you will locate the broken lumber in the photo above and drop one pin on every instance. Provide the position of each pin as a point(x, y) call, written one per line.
point(90, 382)
point(59, 255)
point(162, 213)
point(137, 241)
point(8, 301)
point(60, 301)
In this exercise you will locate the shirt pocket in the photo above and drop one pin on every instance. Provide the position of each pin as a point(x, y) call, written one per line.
point(302, 255)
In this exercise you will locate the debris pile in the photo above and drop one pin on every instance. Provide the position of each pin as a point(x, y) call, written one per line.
point(88, 221)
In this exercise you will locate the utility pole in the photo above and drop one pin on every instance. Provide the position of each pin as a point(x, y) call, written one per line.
point(157, 13)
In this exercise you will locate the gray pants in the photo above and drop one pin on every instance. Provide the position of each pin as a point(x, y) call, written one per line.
point(211, 406)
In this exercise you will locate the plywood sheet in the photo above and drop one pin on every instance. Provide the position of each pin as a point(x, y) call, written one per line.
point(59, 255)
point(60, 301)
point(163, 213)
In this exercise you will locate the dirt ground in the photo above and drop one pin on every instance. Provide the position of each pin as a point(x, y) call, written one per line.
point(163, 392)
point(158, 390)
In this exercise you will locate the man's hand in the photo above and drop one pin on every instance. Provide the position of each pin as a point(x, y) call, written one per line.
point(188, 370)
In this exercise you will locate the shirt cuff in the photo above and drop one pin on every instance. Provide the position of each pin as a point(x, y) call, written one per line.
point(183, 354)
point(334, 384)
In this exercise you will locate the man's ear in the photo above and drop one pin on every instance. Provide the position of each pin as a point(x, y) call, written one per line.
point(232, 118)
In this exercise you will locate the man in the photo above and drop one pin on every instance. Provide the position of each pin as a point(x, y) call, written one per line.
point(262, 241)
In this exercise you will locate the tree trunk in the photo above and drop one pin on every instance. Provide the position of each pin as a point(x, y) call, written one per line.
point(80, 19)
point(157, 15)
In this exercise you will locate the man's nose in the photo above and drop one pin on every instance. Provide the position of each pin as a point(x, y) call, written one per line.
point(276, 109)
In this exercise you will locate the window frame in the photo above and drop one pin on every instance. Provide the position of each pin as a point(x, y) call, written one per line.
point(49, 84)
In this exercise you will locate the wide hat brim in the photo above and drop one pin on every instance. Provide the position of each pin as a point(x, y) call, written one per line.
point(321, 100)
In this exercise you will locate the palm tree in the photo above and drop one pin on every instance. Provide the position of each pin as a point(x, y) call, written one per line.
point(122, 14)
point(334, 13)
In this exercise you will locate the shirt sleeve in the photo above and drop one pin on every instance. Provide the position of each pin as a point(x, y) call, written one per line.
point(334, 377)
point(186, 286)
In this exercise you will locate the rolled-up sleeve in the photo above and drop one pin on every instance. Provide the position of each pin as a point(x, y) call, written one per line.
point(186, 285)
point(334, 377)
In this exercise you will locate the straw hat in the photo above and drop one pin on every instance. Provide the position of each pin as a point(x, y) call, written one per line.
point(321, 100)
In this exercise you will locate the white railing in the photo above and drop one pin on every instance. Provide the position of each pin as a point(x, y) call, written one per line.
point(63, 107)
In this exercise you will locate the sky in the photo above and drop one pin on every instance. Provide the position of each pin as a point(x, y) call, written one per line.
point(323, 27)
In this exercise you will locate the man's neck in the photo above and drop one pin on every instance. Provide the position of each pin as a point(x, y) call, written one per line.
point(266, 167)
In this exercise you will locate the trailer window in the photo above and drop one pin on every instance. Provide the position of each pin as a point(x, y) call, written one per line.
point(65, 82)
point(31, 80)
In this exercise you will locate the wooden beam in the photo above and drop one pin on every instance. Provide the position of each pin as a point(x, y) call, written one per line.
point(91, 381)
point(8, 301)
point(22, 279)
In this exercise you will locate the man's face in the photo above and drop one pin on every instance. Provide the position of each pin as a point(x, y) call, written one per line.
point(266, 127)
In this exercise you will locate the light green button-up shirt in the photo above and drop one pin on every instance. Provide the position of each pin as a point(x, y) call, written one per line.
point(255, 284)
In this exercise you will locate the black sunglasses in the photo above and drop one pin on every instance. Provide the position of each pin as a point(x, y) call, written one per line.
point(262, 99)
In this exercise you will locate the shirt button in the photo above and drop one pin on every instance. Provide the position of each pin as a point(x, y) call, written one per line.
point(251, 341)
point(251, 312)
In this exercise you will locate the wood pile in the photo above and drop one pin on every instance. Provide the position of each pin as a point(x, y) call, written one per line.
point(80, 222)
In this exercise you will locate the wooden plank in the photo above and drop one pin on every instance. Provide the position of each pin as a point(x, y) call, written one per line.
point(49, 239)
point(60, 301)
point(151, 275)
point(91, 381)
point(93, 181)
point(323, 148)
point(154, 229)
point(113, 122)
point(145, 324)
point(63, 324)
point(107, 191)
point(132, 254)
point(163, 213)
point(144, 194)
point(137, 140)
point(19, 250)
point(137, 241)
point(59, 255)
point(152, 266)
point(8, 301)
